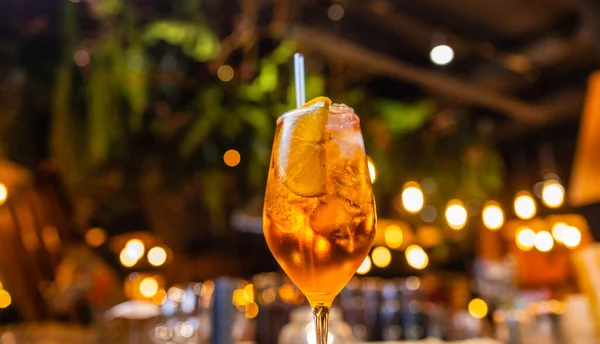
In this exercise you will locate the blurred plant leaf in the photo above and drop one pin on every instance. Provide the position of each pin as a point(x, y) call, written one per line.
point(402, 118)
point(196, 40)
point(207, 105)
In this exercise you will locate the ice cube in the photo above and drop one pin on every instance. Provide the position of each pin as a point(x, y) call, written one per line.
point(329, 215)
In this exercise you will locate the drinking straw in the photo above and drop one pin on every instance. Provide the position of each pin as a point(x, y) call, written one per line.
point(299, 79)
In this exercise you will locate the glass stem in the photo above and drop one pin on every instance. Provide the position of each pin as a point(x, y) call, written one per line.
point(321, 314)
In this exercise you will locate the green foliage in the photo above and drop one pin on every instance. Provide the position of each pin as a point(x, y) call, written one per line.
point(402, 118)
point(195, 39)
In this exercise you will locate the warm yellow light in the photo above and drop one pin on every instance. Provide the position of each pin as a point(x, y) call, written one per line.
point(160, 297)
point(456, 214)
point(393, 236)
point(553, 194)
point(557, 231)
point(416, 257)
point(525, 238)
point(493, 216)
point(381, 257)
point(231, 158)
point(524, 205)
point(288, 293)
point(543, 241)
point(412, 197)
point(225, 73)
point(249, 293)
point(3, 193)
point(239, 299)
point(126, 260)
point(251, 310)
point(571, 236)
point(1, 286)
point(478, 308)
point(148, 287)
point(5, 299)
point(157, 256)
point(365, 267)
point(95, 237)
point(372, 170)
point(135, 248)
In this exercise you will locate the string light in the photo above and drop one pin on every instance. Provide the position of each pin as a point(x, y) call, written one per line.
point(412, 197)
point(372, 170)
point(225, 73)
point(148, 287)
point(456, 214)
point(135, 248)
point(571, 236)
point(3, 193)
point(381, 257)
point(413, 283)
point(95, 237)
point(365, 267)
point(231, 158)
point(157, 256)
point(441, 55)
point(553, 194)
point(543, 241)
point(251, 310)
point(525, 238)
point(557, 231)
point(524, 205)
point(5, 299)
point(393, 236)
point(416, 257)
point(478, 308)
point(493, 216)
point(127, 260)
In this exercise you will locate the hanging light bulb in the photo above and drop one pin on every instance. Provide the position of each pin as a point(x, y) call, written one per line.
point(416, 257)
point(571, 236)
point(525, 238)
point(412, 197)
point(493, 216)
point(524, 205)
point(553, 194)
point(543, 241)
point(456, 214)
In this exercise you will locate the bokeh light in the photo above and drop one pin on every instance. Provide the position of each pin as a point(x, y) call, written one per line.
point(524, 205)
point(231, 158)
point(372, 170)
point(493, 216)
point(525, 238)
point(428, 213)
point(176, 294)
point(135, 249)
point(558, 229)
point(413, 283)
point(456, 214)
point(335, 12)
point(571, 236)
point(478, 308)
point(393, 236)
point(416, 257)
point(157, 256)
point(365, 267)
point(412, 197)
point(251, 310)
point(148, 287)
point(381, 257)
point(81, 58)
point(127, 260)
point(5, 299)
point(225, 73)
point(3, 193)
point(543, 241)
point(441, 55)
point(160, 297)
point(95, 237)
point(553, 194)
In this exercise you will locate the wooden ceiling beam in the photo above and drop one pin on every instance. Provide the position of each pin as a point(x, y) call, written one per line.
point(435, 82)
